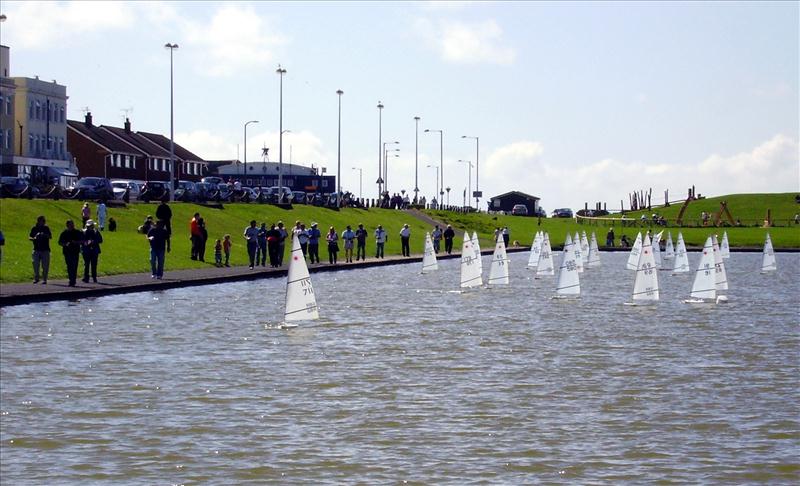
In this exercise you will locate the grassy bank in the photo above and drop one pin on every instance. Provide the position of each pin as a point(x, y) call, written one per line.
point(126, 251)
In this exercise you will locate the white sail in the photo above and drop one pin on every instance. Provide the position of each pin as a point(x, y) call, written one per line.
point(301, 304)
point(429, 263)
point(594, 252)
point(657, 248)
point(719, 265)
point(645, 286)
point(545, 266)
point(498, 272)
point(576, 246)
point(568, 278)
point(681, 264)
point(704, 286)
point(470, 271)
point(584, 248)
point(477, 247)
point(633, 257)
point(724, 247)
point(536, 250)
point(768, 263)
point(669, 251)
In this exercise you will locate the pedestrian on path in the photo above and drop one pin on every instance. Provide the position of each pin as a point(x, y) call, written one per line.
point(281, 242)
point(70, 241)
point(86, 214)
point(273, 242)
point(333, 245)
point(437, 238)
point(361, 243)
point(226, 248)
point(194, 234)
point(349, 237)
point(91, 250)
point(164, 213)
point(261, 253)
point(449, 234)
point(380, 240)
point(405, 237)
point(159, 239)
point(313, 243)
point(40, 236)
point(251, 235)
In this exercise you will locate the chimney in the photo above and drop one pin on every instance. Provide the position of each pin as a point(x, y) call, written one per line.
point(88, 119)
point(127, 125)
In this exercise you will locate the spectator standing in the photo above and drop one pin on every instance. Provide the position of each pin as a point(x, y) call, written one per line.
point(201, 248)
point(380, 241)
point(437, 238)
point(449, 234)
point(302, 237)
point(70, 241)
point(333, 245)
point(313, 242)
point(101, 215)
point(349, 237)
point(361, 243)
point(405, 236)
point(164, 213)
point(251, 235)
point(218, 253)
point(91, 250)
point(610, 237)
point(281, 242)
point(86, 213)
point(273, 242)
point(506, 236)
point(226, 248)
point(40, 235)
point(261, 254)
point(159, 239)
point(194, 234)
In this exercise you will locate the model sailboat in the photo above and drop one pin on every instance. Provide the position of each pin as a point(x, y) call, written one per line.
point(681, 264)
point(536, 250)
point(768, 263)
point(545, 266)
point(594, 252)
point(636, 249)
point(498, 272)
point(704, 288)
point(429, 263)
point(301, 303)
point(645, 285)
point(470, 270)
point(568, 278)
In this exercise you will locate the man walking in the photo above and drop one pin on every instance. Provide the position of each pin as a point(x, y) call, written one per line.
point(281, 242)
point(70, 241)
point(251, 235)
point(194, 235)
point(361, 243)
point(164, 213)
point(405, 236)
point(437, 238)
point(449, 234)
point(158, 238)
point(380, 241)
point(40, 236)
point(313, 243)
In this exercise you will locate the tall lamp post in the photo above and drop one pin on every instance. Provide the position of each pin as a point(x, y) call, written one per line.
point(477, 158)
point(436, 170)
point(469, 180)
point(380, 150)
point(416, 159)
point(441, 159)
point(171, 48)
point(360, 174)
point(385, 175)
point(281, 71)
point(339, 155)
point(245, 145)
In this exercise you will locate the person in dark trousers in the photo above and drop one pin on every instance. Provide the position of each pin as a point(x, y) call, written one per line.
point(610, 237)
point(164, 213)
point(361, 243)
point(251, 235)
point(281, 242)
point(405, 237)
point(380, 241)
point(333, 245)
point(449, 234)
point(91, 250)
point(194, 234)
point(70, 241)
point(159, 239)
point(201, 244)
point(506, 236)
point(40, 236)
point(313, 243)
point(261, 254)
point(273, 243)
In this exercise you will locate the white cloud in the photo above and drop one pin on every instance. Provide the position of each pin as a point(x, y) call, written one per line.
point(206, 145)
point(302, 147)
point(467, 43)
point(31, 24)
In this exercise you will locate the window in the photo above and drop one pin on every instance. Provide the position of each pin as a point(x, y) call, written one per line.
point(61, 146)
point(30, 110)
point(49, 143)
point(324, 182)
point(62, 114)
point(38, 111)
point(8, 105)
point(30, 143)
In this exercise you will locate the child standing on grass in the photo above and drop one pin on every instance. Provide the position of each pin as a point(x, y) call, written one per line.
point(218, 253)
point(226, 246)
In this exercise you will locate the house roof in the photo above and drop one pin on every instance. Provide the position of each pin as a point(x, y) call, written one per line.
point(103, 138)
point(145, 145)
point(163, 142)
point(516, 193)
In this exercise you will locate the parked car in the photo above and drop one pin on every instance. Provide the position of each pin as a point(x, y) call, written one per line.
point(299, 197)
point(93, 188)
point(287, 194)
point(562, 213)
point(519, 210)
point(17, 186)
point(120, 186)
point(540, 212)
point(205, 191)
point(186, 191)
point(154, 191)
point(212, 180)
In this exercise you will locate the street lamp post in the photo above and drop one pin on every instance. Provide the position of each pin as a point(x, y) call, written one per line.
point(385, 175)
point(477, 159)
point(281, 71)
point(360, 174)
point(469, 179)
point(339, 155)
point(441, 159)
point(436, 170)
point(171, 48)
point(245, 145)
point(448, 194)
point(380, 151)
point(416, 159)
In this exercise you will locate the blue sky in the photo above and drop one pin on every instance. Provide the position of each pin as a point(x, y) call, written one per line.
point(573, 102)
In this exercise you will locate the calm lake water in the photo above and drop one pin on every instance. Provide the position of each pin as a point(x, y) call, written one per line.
point(402, 380)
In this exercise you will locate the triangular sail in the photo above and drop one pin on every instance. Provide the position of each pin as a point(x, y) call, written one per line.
point(536, 250)
point(669, 251)
point(584, 248)
point(470, 271)
point(704, 286)
point(719, 265)
point(301, 304)
point(768, 263)
point(657, 248)
point(498, 273)
point(681, 259)
point(576, 247)
point(594, 252)
point(477, 247)
point(724, 246)
point(645, 286)
point(633, 257)
point(568, 278)
point(429, 263)
point(545, 266)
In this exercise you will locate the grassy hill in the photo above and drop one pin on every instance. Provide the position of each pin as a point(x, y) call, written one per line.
point(126, 251)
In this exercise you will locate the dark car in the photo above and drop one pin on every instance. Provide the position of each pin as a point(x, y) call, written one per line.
point(17, 187)
point(519, 210)
point(298, 197)
point(93, 188)
point(212, 180)
point(186, 191)
point(154, 191)
point(562, 213)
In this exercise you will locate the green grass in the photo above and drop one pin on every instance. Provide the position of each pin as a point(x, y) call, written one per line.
point(126, 251)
